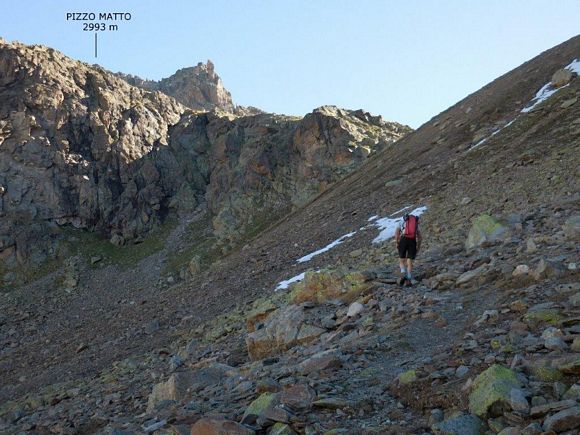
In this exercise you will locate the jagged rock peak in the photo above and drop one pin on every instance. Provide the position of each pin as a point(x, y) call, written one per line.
point(198, 87)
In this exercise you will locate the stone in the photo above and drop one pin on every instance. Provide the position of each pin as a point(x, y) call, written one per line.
point(510, 431)
point(572, 393)
point(355, 309)
point(194, 265)
point(328, 359)
point(461, 371)
point(531, 246)
point(568, 103)
point(562, 77)
point(485, 228)
point(518, 402)
point(571, 228)
point(567, 419)
point(540, 410)
point(117, 240)
point(219, 426)
point(459, 424)
point(298, 397)
point(532, 429)
point(331, 284)
point(180, 384)
point(261, 407)
point(492, 391)
point(282, 330)
point(538, 314)
point(555, 343)
point(407, 377)
point(549, 269)
point(281, 429)
point(521, 269)
point(472, 275)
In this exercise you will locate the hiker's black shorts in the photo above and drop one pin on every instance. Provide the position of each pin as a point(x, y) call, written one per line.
point(407, 248)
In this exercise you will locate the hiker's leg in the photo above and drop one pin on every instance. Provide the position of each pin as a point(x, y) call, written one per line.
point(402, 266)
point(409, 268)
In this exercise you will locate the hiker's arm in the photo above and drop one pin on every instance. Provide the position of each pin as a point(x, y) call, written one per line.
point(418, 239)
point(397, 236)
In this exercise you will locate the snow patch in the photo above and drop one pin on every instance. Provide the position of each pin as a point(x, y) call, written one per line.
point(387, 226)
point(482, 141)
point(547, 90)
point(373, 218)
point(326, 248)
point(285, 284)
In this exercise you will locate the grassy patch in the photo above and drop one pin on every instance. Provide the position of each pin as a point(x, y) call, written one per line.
point(88, 245)
point(199, 241)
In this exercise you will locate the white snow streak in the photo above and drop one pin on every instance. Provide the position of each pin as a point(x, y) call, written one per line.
point(547, 90)
point(285, 284)
point(326, 248)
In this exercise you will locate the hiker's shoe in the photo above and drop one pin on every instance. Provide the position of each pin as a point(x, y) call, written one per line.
point(408, 283)
point(402, 281)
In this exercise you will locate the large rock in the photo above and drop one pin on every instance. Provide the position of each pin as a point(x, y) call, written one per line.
point(562, 421)
point(181, 384)
point(571, 227)
point(485, 228)
point(493, 391)
point(331, 284)
point(562, 77)
point(459, 424)
point(219, 426)
point(282, 330)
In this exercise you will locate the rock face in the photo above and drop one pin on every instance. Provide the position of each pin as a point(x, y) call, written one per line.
point(80, 146)
point(197, 87)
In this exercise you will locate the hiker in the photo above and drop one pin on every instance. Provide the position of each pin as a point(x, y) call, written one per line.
point(408, 239)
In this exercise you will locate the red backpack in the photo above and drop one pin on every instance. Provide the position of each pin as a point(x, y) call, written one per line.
point(410, 226)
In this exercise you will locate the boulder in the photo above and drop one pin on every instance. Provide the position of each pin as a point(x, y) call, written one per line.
point(327, 359)
point(180, 384)
point(459, 424)
point(549, 269)
point(494, 391)
point(562, 77)
point(219, 426)
point(485, 228)
point(571, 227)
point(285, 328)
point(265, 411)
point(331, 284)
point(568, 419)
point(355, 309)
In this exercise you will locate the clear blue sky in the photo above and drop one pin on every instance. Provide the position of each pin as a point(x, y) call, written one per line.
point(406, 60)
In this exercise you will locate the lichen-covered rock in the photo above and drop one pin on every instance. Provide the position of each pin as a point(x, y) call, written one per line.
point(485, 228)
point(331, 284)
point(282, 330)
point(492, 391)
point(180, 383)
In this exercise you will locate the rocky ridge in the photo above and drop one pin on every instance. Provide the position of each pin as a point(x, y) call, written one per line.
point(82, 147)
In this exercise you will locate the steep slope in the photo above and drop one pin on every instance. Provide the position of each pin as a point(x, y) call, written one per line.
point(82, 147)
point(188, 351)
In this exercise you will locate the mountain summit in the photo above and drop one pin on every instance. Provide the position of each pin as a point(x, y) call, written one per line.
point(197, 87)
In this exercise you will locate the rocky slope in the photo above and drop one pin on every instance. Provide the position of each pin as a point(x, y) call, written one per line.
point(81, 147)
point(485, 342)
